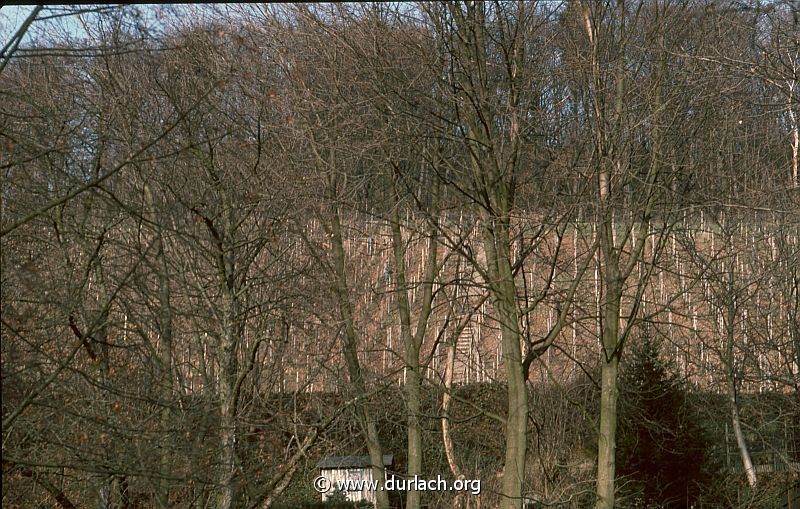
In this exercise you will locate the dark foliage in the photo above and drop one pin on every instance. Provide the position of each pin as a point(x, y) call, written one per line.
point(333, 503)
point(662, 449)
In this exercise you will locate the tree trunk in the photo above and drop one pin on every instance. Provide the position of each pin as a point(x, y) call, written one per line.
point(447, 439)
point(412, 385)
point(104, 494)
point(412, 389)
point(164, 355)
point(609, 390)
point(227, 420)
point(795, 147)
point(503, 290)
point(606, 440)
point(165, 359)
point(412, 343)
point(516, 432)
point(228, 348)
point(741, 441)
point(363, 414)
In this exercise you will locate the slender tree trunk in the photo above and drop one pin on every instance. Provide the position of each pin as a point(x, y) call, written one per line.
point(412, 343)
point(447, 398)
point(107, 488)
point(494, 156)
point(795, 122)
point(412, 385)
point(104, 494)
point(741, 441)
point(364, 415)
point(164, 354)
point(228, 348)
point(447, 438)
point(610, 146)
point(227, 412)
point(609, 306)
point(163, 487)
point(412, 389)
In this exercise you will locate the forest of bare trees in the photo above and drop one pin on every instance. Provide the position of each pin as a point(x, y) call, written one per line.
point(554, 246)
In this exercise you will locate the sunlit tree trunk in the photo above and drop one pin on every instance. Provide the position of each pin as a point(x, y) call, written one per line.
point(365, 417)
point(731, 307)
point(412, 341)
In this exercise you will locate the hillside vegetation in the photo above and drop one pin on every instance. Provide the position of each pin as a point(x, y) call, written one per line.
point(554, 246)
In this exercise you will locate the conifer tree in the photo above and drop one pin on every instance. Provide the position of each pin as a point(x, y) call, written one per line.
point(662, 447)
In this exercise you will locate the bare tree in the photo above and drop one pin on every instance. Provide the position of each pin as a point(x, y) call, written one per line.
point(627, 55)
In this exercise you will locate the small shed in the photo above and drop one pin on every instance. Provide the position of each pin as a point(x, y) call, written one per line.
point(340, 469)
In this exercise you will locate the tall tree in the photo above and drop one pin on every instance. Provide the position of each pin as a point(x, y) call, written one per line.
point(490, 97)
point(633, 162)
